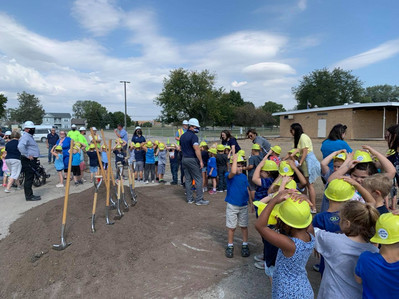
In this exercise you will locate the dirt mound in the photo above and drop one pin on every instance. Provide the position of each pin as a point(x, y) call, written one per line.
point(162, 247)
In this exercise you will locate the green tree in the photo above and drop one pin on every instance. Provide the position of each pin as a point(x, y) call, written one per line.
point(3, 101)
point(187, 94)
point(95, 114)
point(228, 103)
point(29, 109)
point(272, 107)
point(147, 124)
point(324, 88)
point(382, 93)
point(118, 117)
point(249, 116)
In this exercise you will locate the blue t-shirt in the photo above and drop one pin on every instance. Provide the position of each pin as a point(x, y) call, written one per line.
point(75, 159)
point(93, 158)
point(104, 157)
point(212, 164)
point(237, 190)
point(174, 157)
point(149, 156)
point(123, 135)
point(139, 139)
point(59, 162)
point(380, 278)
point(328, 221)
point(232, 141)
point(119, 157)
point(205, 157)
point(139, 155)
point(187, 140)
point(329, 146)
point(52, 139)
point(262, 191)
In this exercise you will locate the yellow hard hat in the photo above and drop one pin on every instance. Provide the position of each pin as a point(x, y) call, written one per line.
point(362, 156)
point(149, 144)
point(119, 140)
point(390, 152)
point(256, 147)
point(270, 166)
point(137, 145)
point(203, 143)
point(339, 190)
point(161, 146)
point(213, 150)
point(291, 151)
point(290, 185)
point(239, 159)
point(77, 144)
point(386, 229)
point(58, 148)
point(227, 146)
point(341, 156)
point(173, 145)
point(118, 146)
point(156, 142)
point(76, 148)
point(272, 218)
point(285, 169)
point(92, 145)
point(276, 149)
point(132, 144)
point(220, 147)
point(295, 214)
point(241, 153)
point(104, 146)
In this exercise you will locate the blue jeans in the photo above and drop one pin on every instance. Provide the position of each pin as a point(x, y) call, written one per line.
point(222, 179)
point(50, 156)
point(174, 167)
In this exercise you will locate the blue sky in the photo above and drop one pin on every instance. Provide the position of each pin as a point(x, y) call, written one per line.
point(64, 51)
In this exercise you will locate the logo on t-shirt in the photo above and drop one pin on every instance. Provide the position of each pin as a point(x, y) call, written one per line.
point(334, 218)
point(383, 233)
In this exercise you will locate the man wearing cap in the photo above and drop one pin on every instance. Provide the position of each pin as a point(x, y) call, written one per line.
point(181, 131)
point(74, 133)
point(122, 134)
point(29, 154)
point(51, 140)
point(192, 162)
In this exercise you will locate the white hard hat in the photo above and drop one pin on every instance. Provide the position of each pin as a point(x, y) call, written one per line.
point(137, 128)
point(185, 122)
point(29, 125)
point(82, 129)
point(73, 126)
point(194, 122)
point(94, 128)
point(7, 133)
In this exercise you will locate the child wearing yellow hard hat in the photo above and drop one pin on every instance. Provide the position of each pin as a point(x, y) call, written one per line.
point(161, 154)
point(173, 152)
point(379, 186)
point(237, 198)
point(378, 272)
point(341, 251)
point(132, 159)
point(205, 157)
point(212, 170)
point(149, 167)
point(139, 155)
point(274, 154)
point(289, 168)
point(295, 245)
point(56, 151)
point(120, 156)
point(75, 168)
point(104, 156)
point(93, 161)
point(253, 162)
point(222, 162)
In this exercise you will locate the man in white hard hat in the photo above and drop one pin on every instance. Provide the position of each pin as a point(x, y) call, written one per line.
point(74, 133)
point(29, 155)
point(192, 162)
point(96, 136)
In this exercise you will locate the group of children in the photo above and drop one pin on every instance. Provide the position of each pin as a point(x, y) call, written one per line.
point(355, 235)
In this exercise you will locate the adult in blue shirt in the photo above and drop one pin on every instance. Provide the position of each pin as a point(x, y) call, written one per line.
point(334, 142)
point(138, 136)
point(51, 140)
point(122, 134)
point(227, 139)
point(192, 162)
point(65, 143)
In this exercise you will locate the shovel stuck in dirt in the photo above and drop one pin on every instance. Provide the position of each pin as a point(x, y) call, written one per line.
point(131, 186)
point(64, 244)
point(108, 184)
point(97, 182)
point(125, 204)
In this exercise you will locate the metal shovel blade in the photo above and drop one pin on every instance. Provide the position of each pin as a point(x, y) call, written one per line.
point(61, 246)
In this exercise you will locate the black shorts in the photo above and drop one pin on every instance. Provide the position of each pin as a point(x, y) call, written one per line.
point(76, 170)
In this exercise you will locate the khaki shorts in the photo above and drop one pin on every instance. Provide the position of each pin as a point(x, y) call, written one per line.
point(236, 215)
point(304, 168)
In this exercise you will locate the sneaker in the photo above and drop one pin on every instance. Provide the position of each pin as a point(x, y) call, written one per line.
point(316, 267)
point(202, 203)
point(259, 258)
point(7, 191)
point(80, 182)
point(153, 182)
point(229, 251)
point(225, 190)
point(245, 251)
point(76, 183)
point(59, 185)
point(260, 265)
point(220, 191)
point(146, 181)
point(212, 192)
point(173, 183)
point(205, 189)
point(190, 201)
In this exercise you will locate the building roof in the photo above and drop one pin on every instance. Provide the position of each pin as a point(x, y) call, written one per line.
point(348, 106)
point(59, 115)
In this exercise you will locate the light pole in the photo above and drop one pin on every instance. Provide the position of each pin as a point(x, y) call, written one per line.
point(124, 85)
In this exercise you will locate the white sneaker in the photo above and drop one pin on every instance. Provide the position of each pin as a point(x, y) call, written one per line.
point(146, 182)
point(59, 185)
point(153, 182)
point(7, 191)
point(205, 189)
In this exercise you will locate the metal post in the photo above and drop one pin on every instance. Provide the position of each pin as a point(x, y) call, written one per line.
point(383, 124)
point(124, 85)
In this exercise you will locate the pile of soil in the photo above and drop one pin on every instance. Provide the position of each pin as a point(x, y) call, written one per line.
point(162, 247)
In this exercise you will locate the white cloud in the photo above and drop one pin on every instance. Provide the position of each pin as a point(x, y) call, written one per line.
point(97, 16)
point(268, 70)
point(302, 4)
point(382, 52)
point(236, 84)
